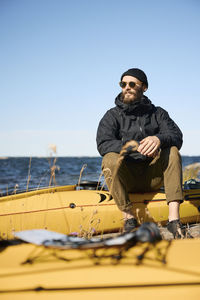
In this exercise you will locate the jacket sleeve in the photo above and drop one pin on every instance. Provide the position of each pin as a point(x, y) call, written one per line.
point(169, 133)
point(108, 134)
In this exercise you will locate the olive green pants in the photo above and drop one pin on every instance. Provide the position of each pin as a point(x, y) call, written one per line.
point(130, 176)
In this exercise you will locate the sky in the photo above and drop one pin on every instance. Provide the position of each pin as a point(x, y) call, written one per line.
point(61, 62)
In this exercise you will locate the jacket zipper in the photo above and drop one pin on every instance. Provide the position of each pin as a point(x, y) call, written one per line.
point(140, 127)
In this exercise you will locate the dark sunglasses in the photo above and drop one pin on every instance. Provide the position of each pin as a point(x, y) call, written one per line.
point(131, 84)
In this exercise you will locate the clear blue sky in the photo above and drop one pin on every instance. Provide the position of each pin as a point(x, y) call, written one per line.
point(61, 61)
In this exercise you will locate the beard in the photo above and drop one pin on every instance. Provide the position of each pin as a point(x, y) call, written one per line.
point(129, 97)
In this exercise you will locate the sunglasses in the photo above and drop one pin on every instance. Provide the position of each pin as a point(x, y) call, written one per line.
point(131, 84)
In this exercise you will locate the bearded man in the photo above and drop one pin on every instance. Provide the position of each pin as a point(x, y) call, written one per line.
point(140, 146)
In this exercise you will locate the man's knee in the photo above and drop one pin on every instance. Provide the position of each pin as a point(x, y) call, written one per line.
point(171, 154)
point(109, 161)
point(174, 151)
point(174, 156)
point(108, 166)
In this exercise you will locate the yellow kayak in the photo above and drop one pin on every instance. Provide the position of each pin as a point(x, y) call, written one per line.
point(68, 210)
point(160, 270)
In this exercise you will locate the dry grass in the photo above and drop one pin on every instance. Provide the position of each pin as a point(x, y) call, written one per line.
point(53, 167)
point(81, 172)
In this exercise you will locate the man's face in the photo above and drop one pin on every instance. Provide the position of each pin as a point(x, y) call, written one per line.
point(130, 94)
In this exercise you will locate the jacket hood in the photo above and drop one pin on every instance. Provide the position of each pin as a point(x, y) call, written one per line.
point(137, 107)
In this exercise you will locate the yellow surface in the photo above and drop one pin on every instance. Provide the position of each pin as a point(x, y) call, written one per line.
point(75, 274)
point(94, 212)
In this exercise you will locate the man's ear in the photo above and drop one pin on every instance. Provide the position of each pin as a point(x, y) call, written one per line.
point(144, 88)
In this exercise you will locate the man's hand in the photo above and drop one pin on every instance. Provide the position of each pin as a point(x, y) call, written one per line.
point(149, 146)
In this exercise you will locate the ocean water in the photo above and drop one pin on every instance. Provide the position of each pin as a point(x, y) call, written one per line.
point(21, 173)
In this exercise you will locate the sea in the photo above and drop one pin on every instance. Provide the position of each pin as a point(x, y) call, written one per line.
point(24, 173)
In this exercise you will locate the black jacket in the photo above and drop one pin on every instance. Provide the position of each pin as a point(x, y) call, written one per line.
point(135, 121)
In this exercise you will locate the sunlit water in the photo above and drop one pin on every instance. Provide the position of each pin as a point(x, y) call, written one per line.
point(23, 172)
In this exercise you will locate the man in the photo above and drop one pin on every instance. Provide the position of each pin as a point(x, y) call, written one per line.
point(139, 143)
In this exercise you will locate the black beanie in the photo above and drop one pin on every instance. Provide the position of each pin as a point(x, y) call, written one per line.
point(137, 73)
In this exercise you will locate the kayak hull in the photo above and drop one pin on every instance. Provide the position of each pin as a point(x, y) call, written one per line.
point(167, 269)
point(86, 212)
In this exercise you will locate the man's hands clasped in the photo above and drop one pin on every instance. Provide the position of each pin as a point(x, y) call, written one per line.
point(149, 146)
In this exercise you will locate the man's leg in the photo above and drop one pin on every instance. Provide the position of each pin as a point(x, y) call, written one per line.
point(170, 164)
point(122, 178)
point(174, 194)
point(173, 183)
point(174, 210)
point(167, 168)
point(117, 179)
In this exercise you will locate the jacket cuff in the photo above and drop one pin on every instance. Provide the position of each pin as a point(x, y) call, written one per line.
point(161, 139)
